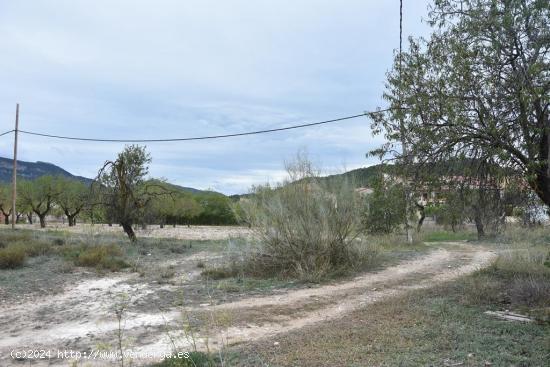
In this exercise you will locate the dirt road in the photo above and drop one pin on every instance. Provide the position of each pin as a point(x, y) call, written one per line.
point(83, 317)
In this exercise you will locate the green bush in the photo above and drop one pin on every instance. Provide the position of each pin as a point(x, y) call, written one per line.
point(12, 257)
point(107, 257)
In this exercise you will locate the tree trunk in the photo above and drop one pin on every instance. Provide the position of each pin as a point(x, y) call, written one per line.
point(71, 219)
point(479, 225)
point(422, 217)
point(29, 217)
point(6, 219)
point(129, 231)
point(42, 220)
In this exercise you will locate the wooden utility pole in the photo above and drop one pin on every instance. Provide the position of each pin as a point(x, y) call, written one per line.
point(404, 151)
point(14, 179)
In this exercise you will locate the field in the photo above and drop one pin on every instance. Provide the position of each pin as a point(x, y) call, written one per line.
point(88, 290)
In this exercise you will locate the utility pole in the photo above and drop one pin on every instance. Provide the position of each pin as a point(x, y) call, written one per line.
point(404, 150)
point(14, 179)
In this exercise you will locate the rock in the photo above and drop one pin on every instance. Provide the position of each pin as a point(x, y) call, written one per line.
point(276, 344)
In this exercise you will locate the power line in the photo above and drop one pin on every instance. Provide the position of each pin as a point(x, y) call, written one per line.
point(199, 137)
point(7, 132)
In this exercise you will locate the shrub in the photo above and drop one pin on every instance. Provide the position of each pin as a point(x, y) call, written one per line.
point(218, 273)
point(306, 226)
point(12, 257)
point(101, 257)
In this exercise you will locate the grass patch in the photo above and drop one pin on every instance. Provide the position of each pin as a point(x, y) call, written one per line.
point(12, 257)
point(103, 257)
point(435, 327)
point(445, 325)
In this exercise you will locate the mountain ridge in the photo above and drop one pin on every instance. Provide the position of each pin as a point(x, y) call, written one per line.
point(33, 170)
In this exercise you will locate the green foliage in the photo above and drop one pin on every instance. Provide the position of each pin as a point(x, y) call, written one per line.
point(122, 189)
point(215, 210)
point(385, 207)
point(476, 89)
point(105, 257)
point(72, 196)
point(5, 201)
point(12, 257)
point(38, 196)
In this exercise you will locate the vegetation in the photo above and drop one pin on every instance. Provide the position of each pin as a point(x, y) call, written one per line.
point(12, 257)
point(305, 229)
point(478, 89)
point(441, 325)
point(39, 196)
point(122, 188)
point(385, 207)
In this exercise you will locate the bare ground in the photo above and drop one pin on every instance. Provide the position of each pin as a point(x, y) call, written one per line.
point(177, 232)
point(82, 316)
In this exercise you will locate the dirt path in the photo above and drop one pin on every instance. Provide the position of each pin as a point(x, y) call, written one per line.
point(82, 318)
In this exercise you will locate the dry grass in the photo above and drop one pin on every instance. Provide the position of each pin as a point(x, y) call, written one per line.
point(104, 257)
point(445, 325)
point(12, 257)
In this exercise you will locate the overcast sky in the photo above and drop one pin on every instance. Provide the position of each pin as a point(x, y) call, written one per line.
point(156, 69)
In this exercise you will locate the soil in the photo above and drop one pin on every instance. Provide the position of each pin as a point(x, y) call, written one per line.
point(158, 308)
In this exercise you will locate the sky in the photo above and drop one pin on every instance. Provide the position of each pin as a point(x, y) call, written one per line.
point(182, 68)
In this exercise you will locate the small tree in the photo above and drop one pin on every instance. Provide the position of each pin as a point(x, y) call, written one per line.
point(385, 206)
point(122, 188)
point(5, 202)
point(72, 197)
point(38, 195)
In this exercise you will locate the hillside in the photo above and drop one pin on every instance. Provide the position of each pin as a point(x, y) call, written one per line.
point(31, 171)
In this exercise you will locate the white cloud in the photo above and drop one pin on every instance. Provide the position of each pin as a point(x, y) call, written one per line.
point(177, 69)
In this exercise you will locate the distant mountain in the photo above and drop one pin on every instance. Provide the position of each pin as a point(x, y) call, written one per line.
point(191, 190)
point(31, 171)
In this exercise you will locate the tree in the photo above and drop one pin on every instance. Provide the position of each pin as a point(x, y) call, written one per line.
point(72, 197)
point(215, 209)
point(122, 188)
point(386, 207)
point(38, 195)
point(478, 88)
point(6, 202)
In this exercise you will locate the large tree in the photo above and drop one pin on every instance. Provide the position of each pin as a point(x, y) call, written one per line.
point(122, 188)
point(479, 88)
